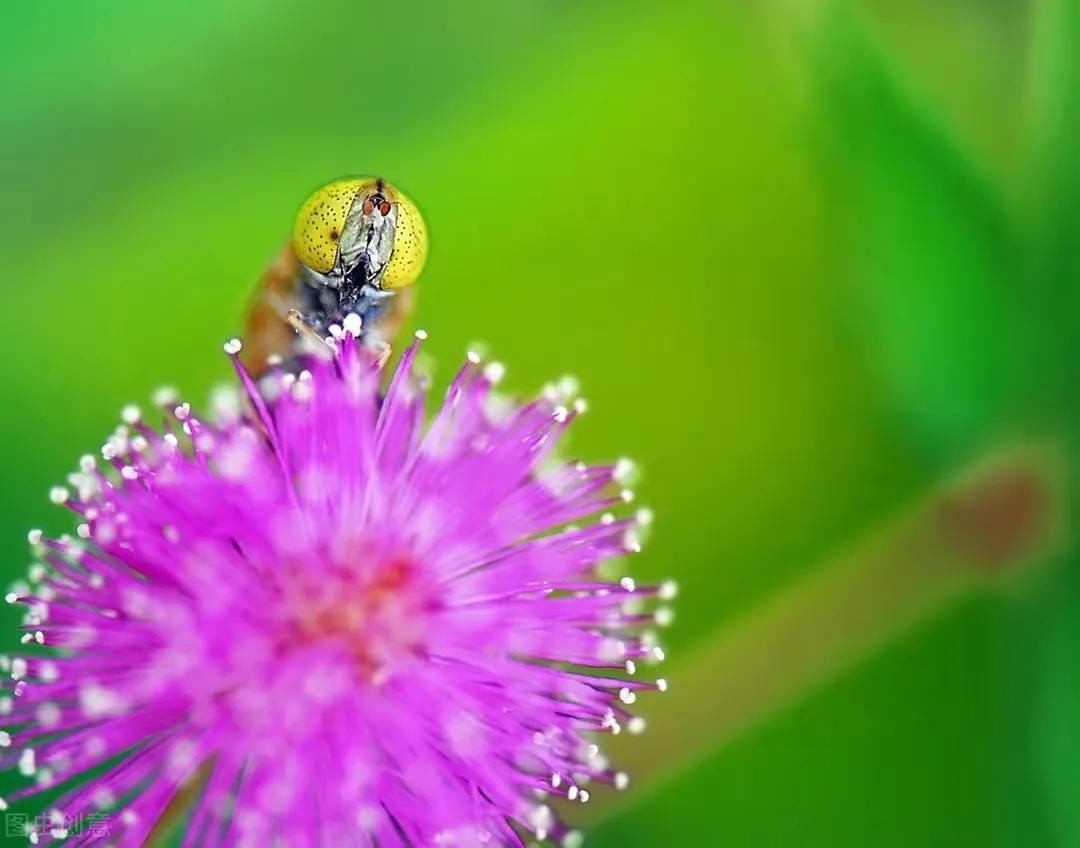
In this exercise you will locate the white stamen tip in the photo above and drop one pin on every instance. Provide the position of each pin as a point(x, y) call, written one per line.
point(624, 471)
point(352, 324)
point(233, 346)
point(58, 494)
point(83, 530)
point(661, 684)
point(494, 372)
point(668, 590)
point(34, 536)
point(421, 334)
point(664, 616)
point(627, 696)
point(165, 396)
point(622, 780)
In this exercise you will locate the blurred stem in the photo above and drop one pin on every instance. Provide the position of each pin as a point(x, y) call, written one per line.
point(180, 807)
point(991, 521)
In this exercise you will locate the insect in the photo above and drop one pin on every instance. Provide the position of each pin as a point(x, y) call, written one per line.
point(358, 245)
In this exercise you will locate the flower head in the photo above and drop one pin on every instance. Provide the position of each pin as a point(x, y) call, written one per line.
point(329, 624)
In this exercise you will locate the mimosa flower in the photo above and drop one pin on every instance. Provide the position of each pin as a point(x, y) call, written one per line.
point(325, 623)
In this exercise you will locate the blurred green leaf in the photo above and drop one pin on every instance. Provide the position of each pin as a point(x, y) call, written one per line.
point(1046, 753)
point(935, 262)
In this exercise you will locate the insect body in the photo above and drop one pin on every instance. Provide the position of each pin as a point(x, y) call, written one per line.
point(357, 246)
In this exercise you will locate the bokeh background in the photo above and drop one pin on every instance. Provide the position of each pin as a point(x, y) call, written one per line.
point(808, 259)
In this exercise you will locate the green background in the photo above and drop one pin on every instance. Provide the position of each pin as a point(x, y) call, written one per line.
point(807, 258)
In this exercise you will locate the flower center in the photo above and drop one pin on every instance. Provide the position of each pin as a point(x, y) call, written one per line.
point(378, 612)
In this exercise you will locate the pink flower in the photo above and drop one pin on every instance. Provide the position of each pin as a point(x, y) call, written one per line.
point(340, 627)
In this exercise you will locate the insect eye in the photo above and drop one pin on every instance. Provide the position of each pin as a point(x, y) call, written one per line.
point(384, 207)
point(369, 206)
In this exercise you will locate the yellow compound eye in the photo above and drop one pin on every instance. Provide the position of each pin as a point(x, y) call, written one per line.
point(321, 224)
point(410, 245)
point(321, 219)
